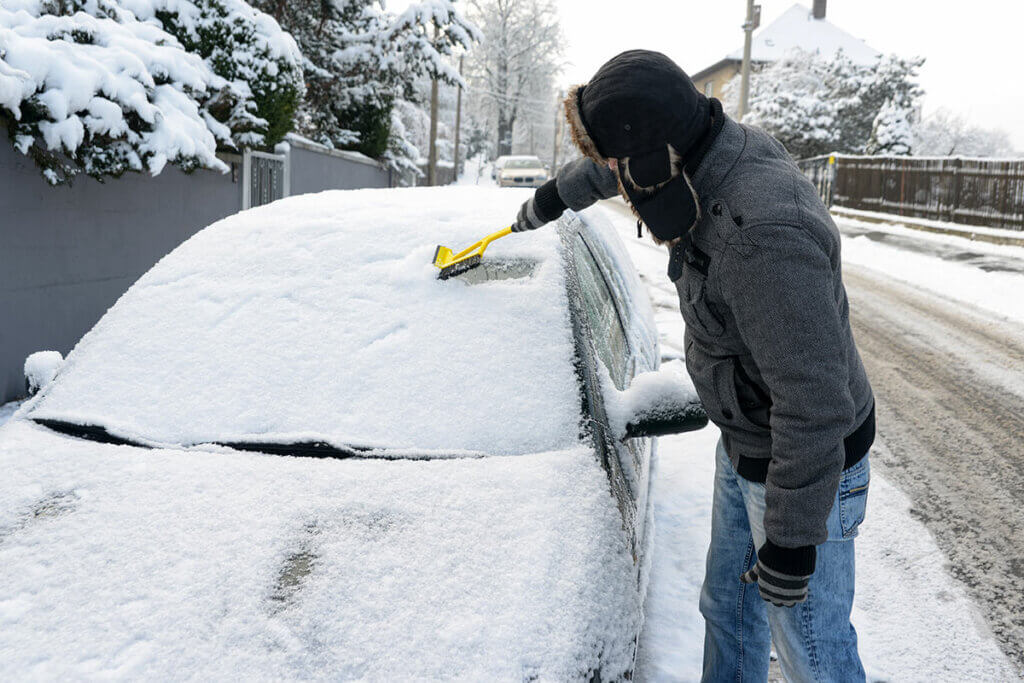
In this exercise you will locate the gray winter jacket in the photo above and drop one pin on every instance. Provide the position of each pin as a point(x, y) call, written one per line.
point(768, 340)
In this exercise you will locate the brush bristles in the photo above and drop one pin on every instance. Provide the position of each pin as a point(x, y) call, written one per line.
point(459, 268)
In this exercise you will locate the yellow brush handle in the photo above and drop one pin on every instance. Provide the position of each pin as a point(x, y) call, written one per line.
point(482, 244)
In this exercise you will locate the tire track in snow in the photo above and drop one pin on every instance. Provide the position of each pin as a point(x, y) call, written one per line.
point(949, 384)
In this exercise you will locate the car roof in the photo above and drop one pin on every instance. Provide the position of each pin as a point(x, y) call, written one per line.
point(320, 318)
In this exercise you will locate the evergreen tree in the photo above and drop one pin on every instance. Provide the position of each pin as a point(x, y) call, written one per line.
point(246, 47)
point(891, 132)
point(359, 60)
point(816, 106)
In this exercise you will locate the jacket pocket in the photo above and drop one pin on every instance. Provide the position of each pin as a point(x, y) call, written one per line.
point(853, 497)
point(714, 378)
point(696, 310)
point(724, 378)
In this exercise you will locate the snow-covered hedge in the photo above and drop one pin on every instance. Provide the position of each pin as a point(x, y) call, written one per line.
point(100, 87)
point(103, 96)
point(248, 48)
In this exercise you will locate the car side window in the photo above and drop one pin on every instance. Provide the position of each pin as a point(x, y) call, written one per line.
point(609, 336)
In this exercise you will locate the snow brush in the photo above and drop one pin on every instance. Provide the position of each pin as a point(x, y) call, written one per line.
point(467, 259)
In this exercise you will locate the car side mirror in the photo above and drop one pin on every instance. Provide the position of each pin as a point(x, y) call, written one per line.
point(40, 369)
point(659, 403)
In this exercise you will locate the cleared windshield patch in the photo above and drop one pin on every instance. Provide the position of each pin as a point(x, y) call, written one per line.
point(499, 269)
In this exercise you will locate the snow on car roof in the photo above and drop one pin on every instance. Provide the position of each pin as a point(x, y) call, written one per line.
point(125, 562)
point(320, 318)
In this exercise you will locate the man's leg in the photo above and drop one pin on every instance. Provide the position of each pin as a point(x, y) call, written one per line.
point(736, 638)
point(815, 639)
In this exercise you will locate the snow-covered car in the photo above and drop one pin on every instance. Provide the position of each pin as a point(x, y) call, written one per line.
point(522, 172)
point(289, 451)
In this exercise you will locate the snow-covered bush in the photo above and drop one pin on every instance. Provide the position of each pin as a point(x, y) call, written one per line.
point(816, 105)
point(790, 99)
point(248, 48)
point(891, 133)
point(40, 369)
point(103, 93)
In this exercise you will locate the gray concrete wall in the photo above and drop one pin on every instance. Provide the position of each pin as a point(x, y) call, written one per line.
point(316, 169)
point(68, 253)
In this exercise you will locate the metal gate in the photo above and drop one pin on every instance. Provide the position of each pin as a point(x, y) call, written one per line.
point(265, 178)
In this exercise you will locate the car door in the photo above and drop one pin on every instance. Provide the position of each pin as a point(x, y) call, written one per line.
point(609, 358)
point(633, 454)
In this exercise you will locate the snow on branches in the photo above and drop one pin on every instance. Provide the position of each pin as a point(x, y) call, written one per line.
point(360, 61)
point(103, 94)
point(260, 61)
point(891, 132)
point(428, 32)
point(109, 86)
point(816, 105)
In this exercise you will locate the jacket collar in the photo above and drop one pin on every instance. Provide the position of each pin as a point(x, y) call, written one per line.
point(720, 158)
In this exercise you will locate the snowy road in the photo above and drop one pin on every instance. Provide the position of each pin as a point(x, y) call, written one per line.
point(949, 385)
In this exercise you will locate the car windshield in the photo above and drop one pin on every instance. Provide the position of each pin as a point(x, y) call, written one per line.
point(319, 319)
point(524, 163)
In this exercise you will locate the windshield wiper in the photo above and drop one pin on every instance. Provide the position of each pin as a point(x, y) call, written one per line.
point(89, 432)
point(306, 449)
point(302, 449)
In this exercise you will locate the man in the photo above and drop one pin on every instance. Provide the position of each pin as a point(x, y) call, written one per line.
point(754, 255)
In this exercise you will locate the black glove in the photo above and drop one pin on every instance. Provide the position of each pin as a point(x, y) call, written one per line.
point(543, 207)
point(782, 574)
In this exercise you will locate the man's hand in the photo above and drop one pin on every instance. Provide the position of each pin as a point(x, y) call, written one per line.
point(528, 218)
point(543, 207)
point(782, 574)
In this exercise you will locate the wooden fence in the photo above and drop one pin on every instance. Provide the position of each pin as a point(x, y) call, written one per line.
point(985, 192)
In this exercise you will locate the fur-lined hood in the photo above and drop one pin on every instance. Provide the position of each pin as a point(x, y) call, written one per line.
point(585, 143)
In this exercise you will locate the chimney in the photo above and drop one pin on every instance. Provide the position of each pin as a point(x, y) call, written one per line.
point(819, 9)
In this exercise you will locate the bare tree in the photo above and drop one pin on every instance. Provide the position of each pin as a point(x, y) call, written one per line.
point(945, 133)
point(511, 72)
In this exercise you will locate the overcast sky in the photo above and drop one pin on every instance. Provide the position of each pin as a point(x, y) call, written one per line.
point(973, 49)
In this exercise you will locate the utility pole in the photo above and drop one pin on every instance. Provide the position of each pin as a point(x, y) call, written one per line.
point(752, 22)
point(432, 156)
point(558, 134)
point(458, 120)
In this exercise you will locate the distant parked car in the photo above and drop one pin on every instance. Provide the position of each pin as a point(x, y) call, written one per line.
point(500, 162)
point(523, 172)
point(289, 451)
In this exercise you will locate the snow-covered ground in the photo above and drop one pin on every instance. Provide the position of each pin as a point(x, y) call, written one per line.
point(914, 620)
point(8, 409)
point(988, 286)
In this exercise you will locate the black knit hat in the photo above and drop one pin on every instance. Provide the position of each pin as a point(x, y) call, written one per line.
point(636, 103)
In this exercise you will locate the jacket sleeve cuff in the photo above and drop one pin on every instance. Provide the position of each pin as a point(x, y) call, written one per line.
point(549, 204)
point(793, 561)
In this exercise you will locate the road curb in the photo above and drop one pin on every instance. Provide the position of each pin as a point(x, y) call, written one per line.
point(929, 226)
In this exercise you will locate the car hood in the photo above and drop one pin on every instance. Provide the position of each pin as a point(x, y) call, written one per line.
point(320, 317)
point(136, 562)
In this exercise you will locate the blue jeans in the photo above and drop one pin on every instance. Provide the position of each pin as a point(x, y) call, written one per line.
point(815, 640)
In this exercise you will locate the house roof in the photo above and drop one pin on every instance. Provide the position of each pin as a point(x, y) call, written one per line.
point(797, 28)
